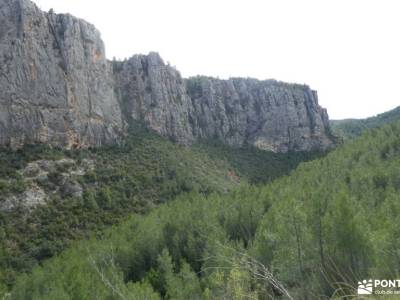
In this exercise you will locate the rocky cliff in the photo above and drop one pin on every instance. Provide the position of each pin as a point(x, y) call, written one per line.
point(58, 88)
point(154, 93)
point(55, 81)
point(269, 114)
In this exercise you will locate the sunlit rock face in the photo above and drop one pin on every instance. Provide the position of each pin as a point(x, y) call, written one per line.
point(58, 88)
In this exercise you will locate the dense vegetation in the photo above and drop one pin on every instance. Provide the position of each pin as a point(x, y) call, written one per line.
point(352, 128)
point(255, 165)
point(309, 235)
point(135, 177)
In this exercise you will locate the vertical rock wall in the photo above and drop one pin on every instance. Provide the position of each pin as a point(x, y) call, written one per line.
point(55, 80)
point(57, 87)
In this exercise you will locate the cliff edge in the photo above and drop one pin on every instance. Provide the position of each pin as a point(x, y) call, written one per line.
point(57, 87)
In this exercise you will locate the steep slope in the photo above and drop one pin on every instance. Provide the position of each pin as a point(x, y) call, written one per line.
point(56, 87)
point(352, 128)
point(331, 223)
point(151, 92)
point(55, 80)
point(270, 115)
point(50, 197)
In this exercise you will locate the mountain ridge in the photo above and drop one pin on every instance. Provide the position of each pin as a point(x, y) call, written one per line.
point(58, 88)
point(352, 128)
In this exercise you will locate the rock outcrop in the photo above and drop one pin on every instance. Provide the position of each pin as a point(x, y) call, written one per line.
point(154, 93)
point(268, 114)
point(44, 179)
point(57, 87)
point(55, 80)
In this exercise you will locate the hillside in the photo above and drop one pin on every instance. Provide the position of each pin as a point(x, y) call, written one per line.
point(122, 179)
point(351, 128)
point(310, 235)
point(50, 197)
point(74, 159)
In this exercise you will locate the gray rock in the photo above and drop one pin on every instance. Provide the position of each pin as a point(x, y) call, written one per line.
point(72, 189)
point(42, 179)
point(268, 114)
point(57, 87)
point(151, 92)
point(31, 170)
point(54, 79)
point(64, 164)
point(29, 199)
point(46, 178)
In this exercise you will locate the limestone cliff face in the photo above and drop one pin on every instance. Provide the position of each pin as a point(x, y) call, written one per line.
point(270, 115)
point(54, 79)
point(154, 93)
point(57, 87)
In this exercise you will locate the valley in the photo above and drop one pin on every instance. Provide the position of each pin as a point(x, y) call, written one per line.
point(122, 179)
point(320, 227)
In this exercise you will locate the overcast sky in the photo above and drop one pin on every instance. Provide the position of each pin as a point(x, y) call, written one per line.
point(348, 50)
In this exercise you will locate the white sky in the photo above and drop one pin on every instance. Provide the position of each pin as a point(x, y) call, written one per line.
point(348, 50)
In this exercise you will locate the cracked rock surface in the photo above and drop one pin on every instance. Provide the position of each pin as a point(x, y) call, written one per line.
point(55, 80)
point(57, 87)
